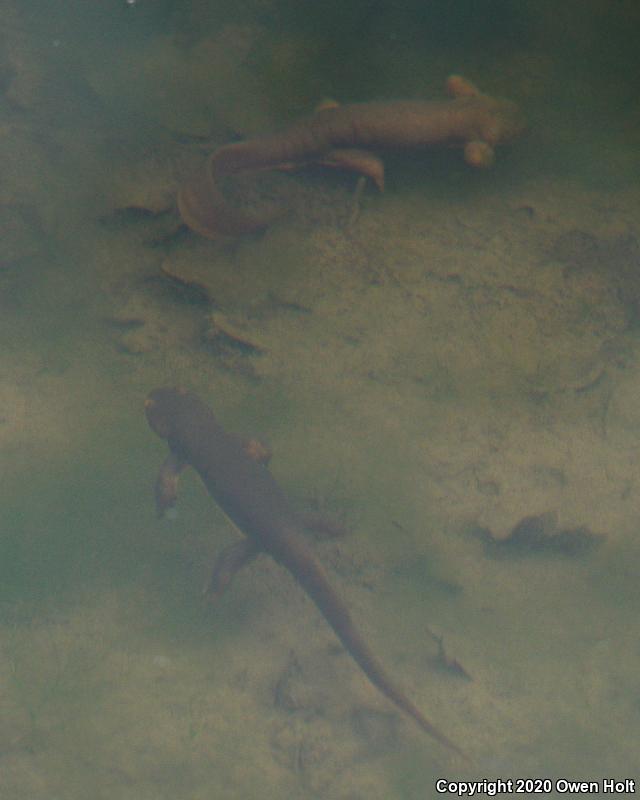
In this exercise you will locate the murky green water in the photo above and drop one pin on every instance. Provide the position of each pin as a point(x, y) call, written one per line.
point(445, 368)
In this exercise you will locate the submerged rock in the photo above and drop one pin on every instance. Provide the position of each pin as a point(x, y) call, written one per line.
point(539, 534)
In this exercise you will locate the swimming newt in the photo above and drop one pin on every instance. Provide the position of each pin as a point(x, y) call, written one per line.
point(340, 136)
point(245, 490)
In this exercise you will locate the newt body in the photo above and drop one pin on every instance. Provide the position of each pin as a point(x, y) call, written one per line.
point(250, 496)
point(341, 136)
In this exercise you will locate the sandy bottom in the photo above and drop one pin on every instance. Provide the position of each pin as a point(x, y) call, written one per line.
point(439, 368)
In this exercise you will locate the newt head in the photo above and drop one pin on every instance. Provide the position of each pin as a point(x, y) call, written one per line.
point(494, 122)
point(498, 120)
point(161, 409)
point(506, 122)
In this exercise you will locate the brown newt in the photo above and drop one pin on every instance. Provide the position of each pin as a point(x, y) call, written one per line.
point(340, 136)
point(249, 495)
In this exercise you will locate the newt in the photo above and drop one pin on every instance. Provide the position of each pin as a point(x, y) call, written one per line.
point(236, 476)
point(341, 136)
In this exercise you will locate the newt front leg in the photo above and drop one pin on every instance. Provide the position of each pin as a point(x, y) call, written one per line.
point(166, 486)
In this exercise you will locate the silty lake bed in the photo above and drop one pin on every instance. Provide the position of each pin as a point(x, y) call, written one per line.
point(450, 370)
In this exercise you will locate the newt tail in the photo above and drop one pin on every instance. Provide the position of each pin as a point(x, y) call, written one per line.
point(341, 136)
point(245, 490)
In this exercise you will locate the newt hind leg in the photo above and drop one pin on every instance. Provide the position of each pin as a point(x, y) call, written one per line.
point(230, 561)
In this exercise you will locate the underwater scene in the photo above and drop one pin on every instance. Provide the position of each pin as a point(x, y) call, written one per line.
point(343, 297)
